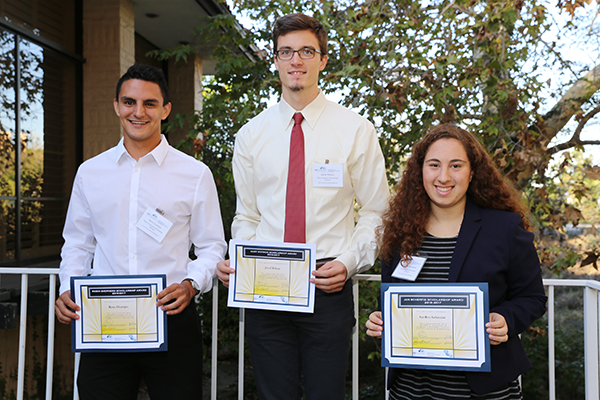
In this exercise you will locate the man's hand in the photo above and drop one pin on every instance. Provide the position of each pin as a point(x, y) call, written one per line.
point(331, 277)
point(223, 271)
point(177, 295)
point(374, 324)
point(63, 308)
point(497, 329)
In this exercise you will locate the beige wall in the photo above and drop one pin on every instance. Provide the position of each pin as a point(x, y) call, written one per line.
point(185, 90)
point(108, 49)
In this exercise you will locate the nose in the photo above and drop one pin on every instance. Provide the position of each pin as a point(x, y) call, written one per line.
point(296, 57)
point(139, 110)
point(444, 174)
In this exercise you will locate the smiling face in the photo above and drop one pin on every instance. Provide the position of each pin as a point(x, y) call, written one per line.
point(141, 110)
point(447, 174)
point(299, 76)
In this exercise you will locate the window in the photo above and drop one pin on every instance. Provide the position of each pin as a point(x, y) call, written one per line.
point(40, 143)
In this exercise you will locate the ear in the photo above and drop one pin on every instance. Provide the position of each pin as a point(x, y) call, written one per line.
point(166, 110)
point(323, 62)
point(276, 63)
point(116, 106)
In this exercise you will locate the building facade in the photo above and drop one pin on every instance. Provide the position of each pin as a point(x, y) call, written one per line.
point(59, 64)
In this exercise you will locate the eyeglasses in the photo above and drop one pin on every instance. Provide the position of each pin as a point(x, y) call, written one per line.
point(305, 53)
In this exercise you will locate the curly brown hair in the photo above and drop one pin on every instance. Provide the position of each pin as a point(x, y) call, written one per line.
point(405, 219)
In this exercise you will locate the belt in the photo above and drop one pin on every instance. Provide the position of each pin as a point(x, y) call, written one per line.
point(323, 261)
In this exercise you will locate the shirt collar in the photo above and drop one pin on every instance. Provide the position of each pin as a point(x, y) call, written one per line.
point(159, 153)
point(311, 112)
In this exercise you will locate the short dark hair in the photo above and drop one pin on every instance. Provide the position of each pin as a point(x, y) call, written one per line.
point(147, 73)
point(300, 22)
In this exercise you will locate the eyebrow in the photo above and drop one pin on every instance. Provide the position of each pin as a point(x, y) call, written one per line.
point(452, 161)
point(125, 98)
point(290, 48)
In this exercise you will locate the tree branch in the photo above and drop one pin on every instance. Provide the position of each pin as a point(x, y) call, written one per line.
point(571, 102)
point(576, 138)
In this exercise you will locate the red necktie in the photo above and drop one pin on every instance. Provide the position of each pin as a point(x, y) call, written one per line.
point(295, 199)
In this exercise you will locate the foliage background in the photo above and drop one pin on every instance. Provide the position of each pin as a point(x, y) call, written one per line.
point(499, 68)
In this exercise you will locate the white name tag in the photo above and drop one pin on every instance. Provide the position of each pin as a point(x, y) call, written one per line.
point(328, 175)
point(154, 224)
point(411, 271)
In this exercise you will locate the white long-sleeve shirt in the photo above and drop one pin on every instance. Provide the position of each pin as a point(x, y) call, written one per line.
point(332, 135)
point(110, 194)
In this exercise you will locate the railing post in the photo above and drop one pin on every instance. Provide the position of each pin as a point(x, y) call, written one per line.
point(241, 355)
point(22, 337)
point(590, 328)
point(50, 353)
point(214, 335)
point(75, 374)
point(551, 351)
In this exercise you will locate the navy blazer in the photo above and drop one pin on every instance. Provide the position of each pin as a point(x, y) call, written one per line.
point(494, 247)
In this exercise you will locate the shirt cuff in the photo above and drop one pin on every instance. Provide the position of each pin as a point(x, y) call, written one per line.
point(350, 264)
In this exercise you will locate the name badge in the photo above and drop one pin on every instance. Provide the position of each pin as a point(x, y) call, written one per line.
point(411, 271)
point(154, 224)
point(328, 175)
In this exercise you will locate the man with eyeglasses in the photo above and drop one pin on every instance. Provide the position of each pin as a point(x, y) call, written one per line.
point(281, 197)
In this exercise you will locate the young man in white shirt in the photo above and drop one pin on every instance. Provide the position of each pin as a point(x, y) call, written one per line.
point(111, 194)
point(295, 351)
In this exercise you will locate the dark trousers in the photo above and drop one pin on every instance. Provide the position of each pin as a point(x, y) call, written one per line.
point(172, 374)
point(288, 348)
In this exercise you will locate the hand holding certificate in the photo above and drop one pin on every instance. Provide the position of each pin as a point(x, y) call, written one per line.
point(118, 313)
point(272, 276)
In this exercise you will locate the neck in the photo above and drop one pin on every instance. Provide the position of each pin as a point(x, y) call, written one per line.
point(139, 149)
point(445, 222)
point(300, 99)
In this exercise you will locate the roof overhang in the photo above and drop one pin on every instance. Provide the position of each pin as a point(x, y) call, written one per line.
point(167, 24)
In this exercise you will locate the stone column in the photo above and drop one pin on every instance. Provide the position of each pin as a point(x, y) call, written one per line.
point(185, 90)
point(108, 49)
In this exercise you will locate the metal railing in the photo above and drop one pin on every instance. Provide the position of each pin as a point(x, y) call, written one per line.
point(52, 273)
point(25, 272)
point(591, 312)
point(591, 309)
point(591, 332)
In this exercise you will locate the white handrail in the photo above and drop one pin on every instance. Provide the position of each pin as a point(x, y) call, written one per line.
point(591, 333)
point(25, 272)
point(52, 273)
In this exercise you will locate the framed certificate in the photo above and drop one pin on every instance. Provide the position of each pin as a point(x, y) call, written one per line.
point(118, 313)
point(435, 326)
point(272, 276)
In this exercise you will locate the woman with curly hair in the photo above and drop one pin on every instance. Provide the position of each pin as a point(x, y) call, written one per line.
point(454, 207)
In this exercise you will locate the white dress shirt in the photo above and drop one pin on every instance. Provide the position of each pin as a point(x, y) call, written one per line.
point(110, 194)
point(333, 134)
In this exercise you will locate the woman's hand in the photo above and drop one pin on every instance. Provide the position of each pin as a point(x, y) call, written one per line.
point(375, 324)
point(497, 329)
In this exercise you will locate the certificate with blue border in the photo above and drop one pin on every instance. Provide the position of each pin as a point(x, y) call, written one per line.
point(272, 276)
point(435, 326)
point(118, 313)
